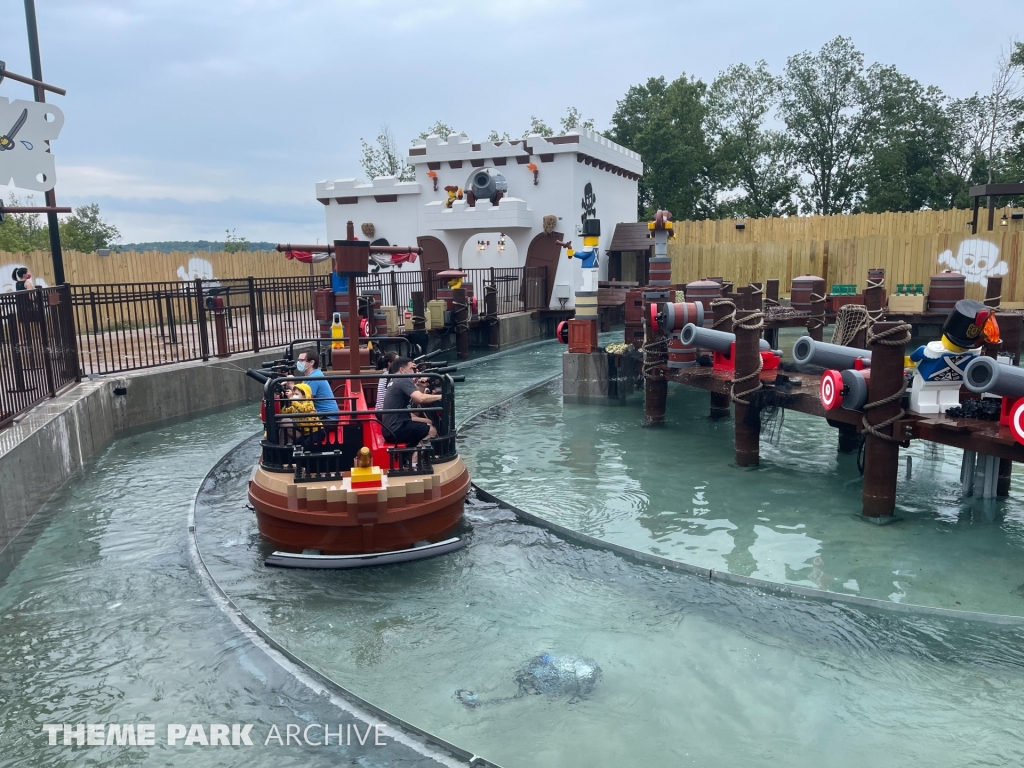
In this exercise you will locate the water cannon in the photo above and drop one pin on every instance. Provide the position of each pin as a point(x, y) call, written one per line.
point(845, 382)
point(259, 376)
point(485, 184)
point(458, 379)
point(447, 369)
point(807, 351)
point(985, 375)
point(724, 346)
point(670, 318)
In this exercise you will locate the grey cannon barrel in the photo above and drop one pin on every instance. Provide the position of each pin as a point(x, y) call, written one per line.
point(983, 374)
point(807, 351)
point(705, 338)
point(486, 183)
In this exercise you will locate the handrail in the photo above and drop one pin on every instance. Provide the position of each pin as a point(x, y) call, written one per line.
point(289, 354)
point(271, 388)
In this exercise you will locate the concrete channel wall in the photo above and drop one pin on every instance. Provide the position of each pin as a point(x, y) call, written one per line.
point(57, 438)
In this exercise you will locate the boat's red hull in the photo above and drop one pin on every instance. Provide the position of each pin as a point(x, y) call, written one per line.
point(316, 517)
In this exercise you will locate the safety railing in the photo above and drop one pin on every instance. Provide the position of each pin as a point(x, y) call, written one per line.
point(518, 289)
point(123, 327)
point(38, 357)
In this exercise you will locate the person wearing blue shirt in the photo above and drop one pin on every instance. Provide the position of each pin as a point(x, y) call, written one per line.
point(309, 365)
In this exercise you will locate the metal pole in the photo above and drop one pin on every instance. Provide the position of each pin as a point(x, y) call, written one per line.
point(40, 93)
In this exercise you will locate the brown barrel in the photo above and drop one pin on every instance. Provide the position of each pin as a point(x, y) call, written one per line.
point(661, 271)
point(705, 291)
point(447, 296)
point(634, 306)
point(801, 290)
point(323, 303)
point(945, 290)
point(679, 315)
point(680, 356)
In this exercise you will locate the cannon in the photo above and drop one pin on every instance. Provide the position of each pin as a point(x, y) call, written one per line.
point(845, 383)
point(723, 344)
point(983, 374)
point(807, 351)
point(485, 184)
point(671, 318)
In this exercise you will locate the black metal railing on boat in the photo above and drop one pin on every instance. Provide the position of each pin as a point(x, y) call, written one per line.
point(327, 456)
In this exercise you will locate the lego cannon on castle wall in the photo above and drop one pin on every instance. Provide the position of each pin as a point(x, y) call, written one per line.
point(984, 375)
point(845, 382)
point(724, 347)
point(485, 184)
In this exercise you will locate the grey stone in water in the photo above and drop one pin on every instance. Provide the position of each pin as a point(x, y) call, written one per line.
point(570, 677)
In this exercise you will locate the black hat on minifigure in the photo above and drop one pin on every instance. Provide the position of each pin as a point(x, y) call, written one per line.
point(965, 323)
point(591, 228)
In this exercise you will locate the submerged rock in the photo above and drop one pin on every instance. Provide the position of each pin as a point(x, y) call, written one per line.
point(570, 677)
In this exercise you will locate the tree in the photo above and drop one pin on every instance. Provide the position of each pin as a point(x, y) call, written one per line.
point(1004, 104)
point(664, 123)
point(442, 130)
point(86, 231)
point(23, 232)
point(538, 127)
point(908, 145)
point(493, 136)
point(826, 107)
point(384, 159)
point(748, 156)
point(233, 243)
point(966, 162)
point(573, 119)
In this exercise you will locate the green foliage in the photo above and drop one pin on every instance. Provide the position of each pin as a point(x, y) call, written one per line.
point(538, 127)
point(22, 232)
point(827, 107)
point(384, 159)
point(751, 160)
point(664, 123)
point(233, 243)
point(86, 231)
point(573, 119)
point(439, 129)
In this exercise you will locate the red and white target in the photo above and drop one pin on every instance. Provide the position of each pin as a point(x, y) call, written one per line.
point(1017, 420)
point(831, 387)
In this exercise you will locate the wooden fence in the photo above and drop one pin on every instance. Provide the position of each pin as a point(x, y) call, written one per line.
point(154, 266)
point(910, 246)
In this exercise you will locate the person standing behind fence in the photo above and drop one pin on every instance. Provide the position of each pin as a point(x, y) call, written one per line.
point(23, 279)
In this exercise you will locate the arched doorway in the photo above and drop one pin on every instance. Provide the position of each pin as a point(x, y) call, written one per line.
point(434, 257)
point(543, 253)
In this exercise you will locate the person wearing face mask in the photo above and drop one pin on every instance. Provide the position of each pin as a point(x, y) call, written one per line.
point(309, 365)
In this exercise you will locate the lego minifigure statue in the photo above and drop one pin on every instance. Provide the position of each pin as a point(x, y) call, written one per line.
point(454, 193)
point(940, 364)
point(588, 254)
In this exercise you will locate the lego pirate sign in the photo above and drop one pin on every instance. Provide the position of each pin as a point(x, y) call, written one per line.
point(25, 129)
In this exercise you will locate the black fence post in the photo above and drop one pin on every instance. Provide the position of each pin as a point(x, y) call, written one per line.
point(44, 339)
point(66, 313)
point(254, 325)
point(204, 337)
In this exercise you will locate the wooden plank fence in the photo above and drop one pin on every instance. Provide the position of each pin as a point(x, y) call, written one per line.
point(154, 266)
point(910, 246)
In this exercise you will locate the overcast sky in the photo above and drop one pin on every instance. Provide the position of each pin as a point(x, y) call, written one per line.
point(185, 118)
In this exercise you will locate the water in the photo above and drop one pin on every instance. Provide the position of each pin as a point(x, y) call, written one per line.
point(676, 492)
point(104, 619)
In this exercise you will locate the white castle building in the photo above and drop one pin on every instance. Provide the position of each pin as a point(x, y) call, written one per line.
point(561, 179)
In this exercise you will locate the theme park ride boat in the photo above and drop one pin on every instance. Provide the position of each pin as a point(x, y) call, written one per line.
point(330, 491)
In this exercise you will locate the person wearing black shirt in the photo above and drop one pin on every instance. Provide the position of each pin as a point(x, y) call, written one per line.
point(400, 427)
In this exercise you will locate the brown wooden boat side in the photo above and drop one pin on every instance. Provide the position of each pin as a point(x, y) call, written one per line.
point(374, 524)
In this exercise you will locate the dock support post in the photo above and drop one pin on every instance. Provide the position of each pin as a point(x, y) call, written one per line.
point(745, 383)
point(461, 323)
point(1010, 326)
point(655, 355)
point(849, 440)
point(816, 322)
point(724, 310)
point(887, 342)
point(491, 315)
point(873, 293)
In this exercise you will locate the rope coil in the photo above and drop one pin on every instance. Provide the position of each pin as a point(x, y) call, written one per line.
point(887, 338)
point(461, 326)
point(816, 320)
point(876, 314)
point(753, 322)
point(731, 317)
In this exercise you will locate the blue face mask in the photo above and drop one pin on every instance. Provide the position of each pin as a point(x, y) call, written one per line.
point(300, 366)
